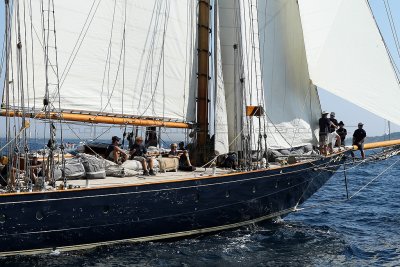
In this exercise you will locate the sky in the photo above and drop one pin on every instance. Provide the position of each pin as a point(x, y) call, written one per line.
point(345, 111)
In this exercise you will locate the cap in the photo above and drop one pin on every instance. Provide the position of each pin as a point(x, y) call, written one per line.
point(333, 113)
point(341, 123)
point(360, 124)
point(115, 138)
point(325, 112)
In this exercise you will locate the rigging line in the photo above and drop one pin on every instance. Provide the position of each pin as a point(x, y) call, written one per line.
point(394, 66)
point(143, 53)
point(159, 65)
point(357, 192)
point(150, 56)
point(26, 56)
point(32, 59)
point(3, 52)
point(266, 114)
point(99, 156)
point(78, 41)
point(392, 25)
point(107, 66)
point(122, 51)
point(68, 67)
point(123, 66)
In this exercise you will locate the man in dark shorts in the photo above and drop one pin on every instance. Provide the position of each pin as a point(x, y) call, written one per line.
point(342, 132)
point(324, 127)
point(139, 152)
point(358, 139)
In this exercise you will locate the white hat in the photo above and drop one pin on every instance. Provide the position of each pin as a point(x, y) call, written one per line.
point(325, 112)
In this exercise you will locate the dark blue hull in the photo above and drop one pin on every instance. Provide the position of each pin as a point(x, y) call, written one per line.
point(73, 219)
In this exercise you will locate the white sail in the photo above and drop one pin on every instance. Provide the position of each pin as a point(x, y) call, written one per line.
point(229, 36)
point(221, 123)
point(242, 71)
point(292, 101)
point(121, 57)
point(347, 56)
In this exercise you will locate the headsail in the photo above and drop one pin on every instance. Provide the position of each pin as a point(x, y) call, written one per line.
point(120, 57)
point(347, 56)
point(221, 123)
point(292, 101)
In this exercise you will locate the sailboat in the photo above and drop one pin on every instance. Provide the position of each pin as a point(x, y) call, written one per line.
point(244, 72)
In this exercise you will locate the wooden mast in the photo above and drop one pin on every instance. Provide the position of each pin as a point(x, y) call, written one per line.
point(202, 80)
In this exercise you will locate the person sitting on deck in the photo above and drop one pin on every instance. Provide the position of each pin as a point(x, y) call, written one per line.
point(358, 139)
point(114, 152)
point(181, 146)
point(151, 137)
point(333, 137)
point(184, 161)
point(342, 132)
point(324, 127)
point(34, 168)
point(139, 152)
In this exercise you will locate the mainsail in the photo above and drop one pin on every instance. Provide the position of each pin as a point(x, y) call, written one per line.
point(347, 55)
point(132, 58)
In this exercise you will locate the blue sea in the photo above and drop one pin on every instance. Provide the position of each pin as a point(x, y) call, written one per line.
point(328, 231)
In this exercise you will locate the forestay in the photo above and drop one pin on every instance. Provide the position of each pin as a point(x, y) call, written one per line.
point(347, 56)
point(121, 57)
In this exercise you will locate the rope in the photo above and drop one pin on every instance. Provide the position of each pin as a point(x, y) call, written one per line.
point(326, 203)
point(392, 26)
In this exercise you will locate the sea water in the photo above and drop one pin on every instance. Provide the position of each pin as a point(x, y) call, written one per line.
point(329, 231)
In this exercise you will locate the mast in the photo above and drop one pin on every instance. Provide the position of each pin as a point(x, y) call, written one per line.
point(202, 80)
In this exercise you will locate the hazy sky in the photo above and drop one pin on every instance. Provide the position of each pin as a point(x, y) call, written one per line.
point(345, 111)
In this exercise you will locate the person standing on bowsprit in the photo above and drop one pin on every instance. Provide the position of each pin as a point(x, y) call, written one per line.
point(342, 132)
point(333, 137)
point(324, 127)
point(358, 139)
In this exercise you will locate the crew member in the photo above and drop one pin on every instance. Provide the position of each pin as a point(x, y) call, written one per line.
point(342, 132)
point(358, 139)
point(324, 126)
point(114, 152)
point(183, 156)
point(139, 152)
point(333, 137)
